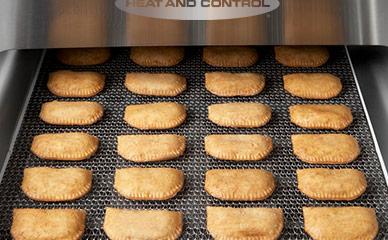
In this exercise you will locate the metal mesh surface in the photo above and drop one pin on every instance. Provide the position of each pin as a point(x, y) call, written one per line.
point(193, 199)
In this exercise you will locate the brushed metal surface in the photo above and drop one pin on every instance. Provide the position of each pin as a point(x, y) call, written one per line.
point(18, 71)
point(371, 68)
point(91, 23)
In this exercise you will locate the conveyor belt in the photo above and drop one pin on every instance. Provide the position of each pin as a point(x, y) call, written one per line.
point(193, 199)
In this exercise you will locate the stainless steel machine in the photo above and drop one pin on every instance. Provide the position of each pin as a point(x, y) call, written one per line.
point(356, 31)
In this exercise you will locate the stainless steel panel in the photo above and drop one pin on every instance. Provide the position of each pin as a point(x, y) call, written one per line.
point(371, 68)
point(18, 71)
point(90, 23)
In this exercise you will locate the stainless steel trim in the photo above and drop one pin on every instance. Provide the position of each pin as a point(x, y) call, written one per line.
point(92, 23)
point(18, 73)
point(378, 151)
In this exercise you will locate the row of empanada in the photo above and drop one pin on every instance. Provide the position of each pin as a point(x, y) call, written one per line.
point(310, 148)
point(324, 183)
point(251, 115)
point(67, 83)
point(345, 223)
point(257, 184)
point(67, 223)
point(67, 184)
point(165, 115)
point(162, 115)
point(232, 56)
point(303, 85)
point(222, 223)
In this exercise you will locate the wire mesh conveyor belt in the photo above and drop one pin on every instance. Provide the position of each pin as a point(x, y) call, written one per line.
point(193, 199)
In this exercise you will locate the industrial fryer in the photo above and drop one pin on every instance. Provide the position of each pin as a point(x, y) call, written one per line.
point(354, 31)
